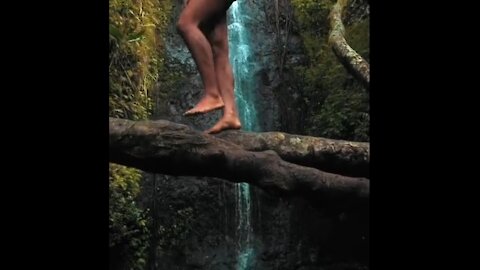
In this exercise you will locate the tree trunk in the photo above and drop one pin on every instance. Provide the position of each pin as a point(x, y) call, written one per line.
point(352, 61)
point(175, 149)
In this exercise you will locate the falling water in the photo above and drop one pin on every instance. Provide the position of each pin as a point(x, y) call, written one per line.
point(243, 65)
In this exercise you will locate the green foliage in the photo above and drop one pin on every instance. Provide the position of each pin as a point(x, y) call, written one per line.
point(135, 54)
point(336, 105)
point(343, 115)
point(308, 12)
point(128, 224)
point(358, 37)
point(136, 60)
point(125, 179)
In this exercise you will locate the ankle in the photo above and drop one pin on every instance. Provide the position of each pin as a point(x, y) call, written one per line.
point(212, 94)
point(230, 113)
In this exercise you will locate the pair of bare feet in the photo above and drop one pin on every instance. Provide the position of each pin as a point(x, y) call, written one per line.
point(211, 103)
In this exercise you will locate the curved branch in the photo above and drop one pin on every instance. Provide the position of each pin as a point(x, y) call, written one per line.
point(348, 56)
point(175, 149)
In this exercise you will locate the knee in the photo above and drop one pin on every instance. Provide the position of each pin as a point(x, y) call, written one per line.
point(219, 42)
point(220, 49)
point(183, 26)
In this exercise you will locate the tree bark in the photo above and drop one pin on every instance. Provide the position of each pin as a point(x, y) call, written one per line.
point(175, 149)
point(334, 156)
point(354, 63)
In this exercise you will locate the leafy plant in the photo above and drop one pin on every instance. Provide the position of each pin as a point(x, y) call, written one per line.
point(136, 59)
point(136, 53)
point(128, 224)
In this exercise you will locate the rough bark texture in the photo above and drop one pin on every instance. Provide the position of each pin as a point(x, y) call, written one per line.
point(174, 149)
point(348, 56)
point(334, 156)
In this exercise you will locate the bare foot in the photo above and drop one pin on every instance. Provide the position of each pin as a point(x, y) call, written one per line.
point(227, 122)
point(206, 104)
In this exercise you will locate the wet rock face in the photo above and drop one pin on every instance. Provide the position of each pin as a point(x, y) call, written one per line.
point(195, 219)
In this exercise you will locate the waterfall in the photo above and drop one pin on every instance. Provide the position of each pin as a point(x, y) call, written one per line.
point(243, 65)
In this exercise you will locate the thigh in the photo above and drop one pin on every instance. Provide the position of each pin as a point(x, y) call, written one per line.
point(218, 35)
point(201, 11)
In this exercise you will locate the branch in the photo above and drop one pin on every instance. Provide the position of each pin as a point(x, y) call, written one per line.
point(175, 149)
point(348, 57)
point(334, 156)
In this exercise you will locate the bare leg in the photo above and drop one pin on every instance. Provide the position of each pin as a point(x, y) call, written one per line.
point(192, 15)
point(224, 77)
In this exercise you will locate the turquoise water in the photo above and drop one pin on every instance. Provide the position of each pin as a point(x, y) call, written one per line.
point(243, 65)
